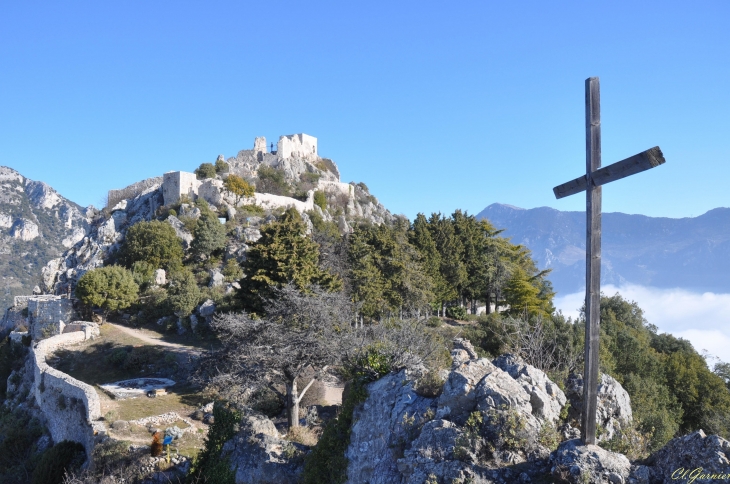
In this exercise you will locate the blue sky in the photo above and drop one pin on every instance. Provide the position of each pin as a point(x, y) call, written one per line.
point(434, 106)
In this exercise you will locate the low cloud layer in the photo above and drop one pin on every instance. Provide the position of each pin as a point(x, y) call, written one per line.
point(703, 319)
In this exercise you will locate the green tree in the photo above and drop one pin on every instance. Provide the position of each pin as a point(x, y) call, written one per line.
point(210, 235)
point(183, 293)
point(238, 187)
point(284, 254)
point(221, 166)
point(110, 288)
point(420, 237)
point(386, 270)
point(153, 242)
point(205, 170)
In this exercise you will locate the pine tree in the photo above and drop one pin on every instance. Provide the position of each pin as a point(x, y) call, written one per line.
point(284, 254)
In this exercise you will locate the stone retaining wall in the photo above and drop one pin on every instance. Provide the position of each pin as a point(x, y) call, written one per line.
point(69, 405)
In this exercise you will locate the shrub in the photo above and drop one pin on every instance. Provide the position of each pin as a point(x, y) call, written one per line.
point(56, 461)
point(238, 187)
point(154, 242)
point(434, 322)
point(326, 463)
point(272, 180)
point(210, 235)
point(320, 199)
point(221, 166)
point(205, 170)
point(232, 270)
point(111, 288)
point(183, 293)
point(209, 466)
point(456, 312)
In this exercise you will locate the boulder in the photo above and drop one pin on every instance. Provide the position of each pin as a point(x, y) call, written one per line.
point(186, 210)
point(259, 455)
point(614, 405)
point(546, 398)
point(678, 460)
point(216, 278)
point(160, 277)
point(575, 463)
point(459, 397)
point(180, 231)
point(207, 308)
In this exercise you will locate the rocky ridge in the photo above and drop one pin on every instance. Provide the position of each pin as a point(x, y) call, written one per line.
point(347, 204)
point(36, 225)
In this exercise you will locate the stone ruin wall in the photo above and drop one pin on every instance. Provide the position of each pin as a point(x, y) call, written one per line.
point(47, 315)
point(298, 145)
point(116, 196)
point(70, 406)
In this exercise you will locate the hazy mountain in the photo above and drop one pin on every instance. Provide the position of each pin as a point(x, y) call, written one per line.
point(689, 253)
point(36, 225)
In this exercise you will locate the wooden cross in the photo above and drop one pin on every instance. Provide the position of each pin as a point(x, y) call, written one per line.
point(591, 182)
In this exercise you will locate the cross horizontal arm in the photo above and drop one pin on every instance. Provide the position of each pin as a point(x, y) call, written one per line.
point(645, 160)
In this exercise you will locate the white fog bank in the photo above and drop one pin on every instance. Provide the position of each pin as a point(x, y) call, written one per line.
point(703, 319)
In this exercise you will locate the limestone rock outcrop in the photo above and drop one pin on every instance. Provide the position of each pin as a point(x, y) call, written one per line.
point(680, 458)
point(259, 455)
point(36, 225)
point(614, 405)
point(575, 463)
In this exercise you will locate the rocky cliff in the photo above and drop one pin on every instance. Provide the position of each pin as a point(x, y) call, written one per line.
point(36, 225)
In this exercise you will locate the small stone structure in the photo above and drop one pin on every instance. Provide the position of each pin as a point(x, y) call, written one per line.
point(47, 314)
point(176, 184)
point(70, 406)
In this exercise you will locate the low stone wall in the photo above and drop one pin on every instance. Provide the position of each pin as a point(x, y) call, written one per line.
point(69, 405)
point(267, 200)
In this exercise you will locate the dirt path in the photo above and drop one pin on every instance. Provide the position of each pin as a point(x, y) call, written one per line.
point(140, 335)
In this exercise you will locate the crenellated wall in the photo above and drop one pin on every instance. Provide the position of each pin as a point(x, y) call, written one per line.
point(69, 405)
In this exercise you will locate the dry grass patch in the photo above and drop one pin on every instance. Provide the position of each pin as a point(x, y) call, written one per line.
point(303, 435)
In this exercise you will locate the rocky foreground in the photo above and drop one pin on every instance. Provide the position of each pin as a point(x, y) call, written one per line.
point(493, 422)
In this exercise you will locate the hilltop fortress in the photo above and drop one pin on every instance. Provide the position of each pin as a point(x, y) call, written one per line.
point(295, 156)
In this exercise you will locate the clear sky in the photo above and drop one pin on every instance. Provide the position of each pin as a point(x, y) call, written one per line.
point(434, 105)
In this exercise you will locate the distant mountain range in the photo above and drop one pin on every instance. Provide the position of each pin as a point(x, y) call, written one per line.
point(688, 253)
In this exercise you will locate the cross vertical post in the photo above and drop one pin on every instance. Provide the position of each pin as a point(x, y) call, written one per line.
point(592, 182)
point(593, 261)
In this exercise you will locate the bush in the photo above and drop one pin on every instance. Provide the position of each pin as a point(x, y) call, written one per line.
point(271, 180)
point(154, 242)
point(326, 463)
point(433, 322)
point(320, 199)
point(56, 461)
point(456, 312)
point(210, 235)
point(232, 270)
point(209, 466)
point(221, 166)
point(183, 293)
point(111, 288)
point(205, 170)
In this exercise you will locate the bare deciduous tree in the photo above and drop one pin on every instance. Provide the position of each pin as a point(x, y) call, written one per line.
point(301, 332)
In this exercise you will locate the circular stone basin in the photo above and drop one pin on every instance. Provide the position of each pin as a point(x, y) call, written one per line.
point(135, 387)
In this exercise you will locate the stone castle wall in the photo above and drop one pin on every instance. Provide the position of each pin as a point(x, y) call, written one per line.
point(298, 145)
point(69, 405)
point(116, 196)
point(46, 314)
point(178, 183)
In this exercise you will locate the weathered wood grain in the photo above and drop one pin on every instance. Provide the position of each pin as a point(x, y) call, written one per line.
point(643, 161)
point(593, 262)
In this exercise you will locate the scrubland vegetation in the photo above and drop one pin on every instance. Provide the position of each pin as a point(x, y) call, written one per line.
point(301, 307)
